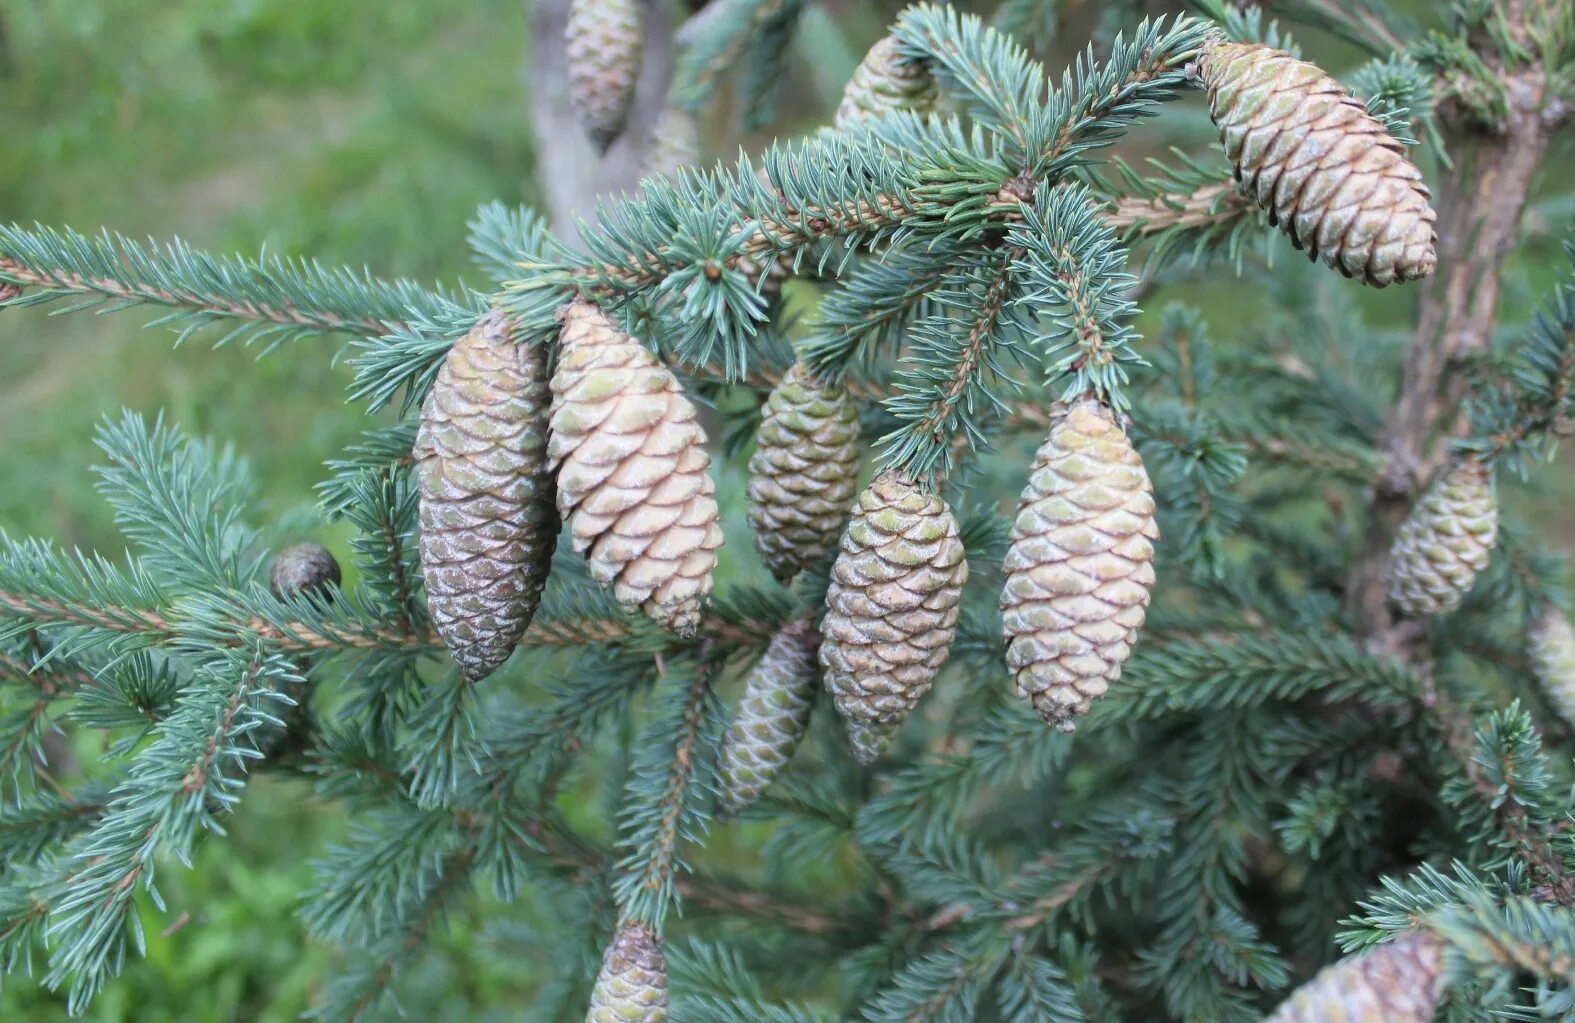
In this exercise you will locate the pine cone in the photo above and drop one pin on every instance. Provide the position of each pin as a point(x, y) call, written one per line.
point(1444, 542)
point(1325, 169)
point(632, 985)
point(891, 609)
point(674, 144)
point(803, 473)
point(1551, 643)
point(487, 524)
point(1400, 982)
point(305, 568)
point(869, 742)
point(604, 40)
point(632, 471)
point(771, 717)
point(885, 81)
point(1080, 566)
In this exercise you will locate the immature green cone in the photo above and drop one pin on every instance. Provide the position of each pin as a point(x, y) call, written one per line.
point(891, 608)
point(803, 472)
point(674, 144)
point(487, 523)
point(1444, 542)
point(770, 719)
point(632, 471)
point(1400, 982)
point(604, 40)
point(1326, 170)
point(884, 81)
point(1551, 643)
point(1080, 565)
point(632, 984)
point(869, 742)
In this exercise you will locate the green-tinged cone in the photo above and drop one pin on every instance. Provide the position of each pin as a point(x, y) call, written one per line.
point(1080, 566)
point(1444, 542)
point(869, 742)
point(1551, 644)
point(884, 81)
point(604, 41)
point(633, 480)
point(487, 522)
point(1400, 982)
point(1328, 172)
point(891, 608)
point(674, 144)
point(803, 473)
point(632, 984)
point(770, 719)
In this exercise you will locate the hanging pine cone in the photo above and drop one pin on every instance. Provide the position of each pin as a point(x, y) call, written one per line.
point(891, 609)
point(487, 523)
point(305, 568)
point(885, 81)
point(674, 144)
point(604, 40)
point(869, 742)
point(803, 472)
point(771, 717)
point(1328, 172)
point(1080, 565)
point(1400, 982)
point(1444, 542)
point(632, 984)
point(632, 471)
point(1551, 643)
point(301, 570)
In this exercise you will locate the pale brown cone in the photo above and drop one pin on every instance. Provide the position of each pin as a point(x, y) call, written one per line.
point(771, 717)
point(632, 471)
point(1551, 644)
point(1080, 565)
point(604, 40)
point(1445, 541)
point(891, 608)
point(1328, 172)
point(803, 473)
point(632, 984)
point(1400, 982)
point(884, 82)
point(487, 523)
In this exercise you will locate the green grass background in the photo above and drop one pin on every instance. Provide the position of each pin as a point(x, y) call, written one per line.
point(359, 133)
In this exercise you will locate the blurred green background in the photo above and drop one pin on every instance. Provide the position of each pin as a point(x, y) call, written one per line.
point(359, 133)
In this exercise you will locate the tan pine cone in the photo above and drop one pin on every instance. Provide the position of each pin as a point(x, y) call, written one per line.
point(604, 41)
point(803, 472)
point(1080, 565)
point(632, 471)
point(884, 82)
point(1400, 982)
point(632, 984)
point(1444, 542)
point(1551, 644)
point(1326, 170)
point(771, 717)
point(891, 608)
point(487, 523)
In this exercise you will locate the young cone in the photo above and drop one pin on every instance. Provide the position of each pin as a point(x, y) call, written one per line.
point(885, 81)
point(487, 524)
point(632, 984)
point(632, 471)
point(674, 144)
point(1400, 982)
point(803, 472)
point(604, 40)
point(1080, 565)
point(1444, 542)
point(1551, 644)
point(891, 609)
point(1326, 170)
point(771, 717)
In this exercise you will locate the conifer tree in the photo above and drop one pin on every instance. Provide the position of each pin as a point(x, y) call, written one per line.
point(1320, 769)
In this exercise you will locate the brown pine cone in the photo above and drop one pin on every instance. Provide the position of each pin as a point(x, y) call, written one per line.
point(632, 984)
point(1401, 982)
point(487, 524)
point(604, 40)
point(1080, 566)
point(1328, 172)
point(803, 472)
point(1444, 542)
point(891, 609)
point(632, 471)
